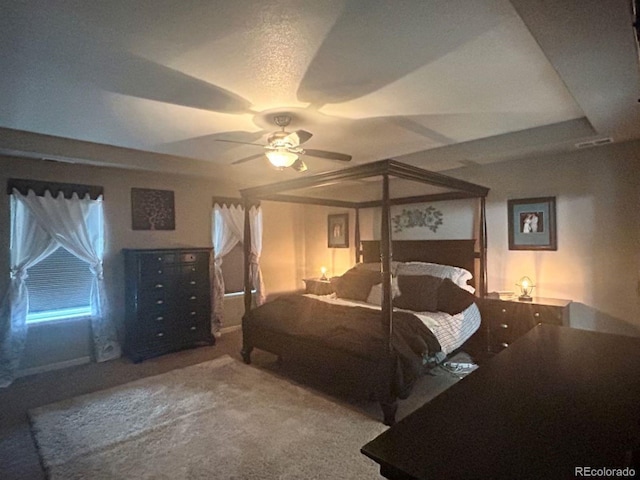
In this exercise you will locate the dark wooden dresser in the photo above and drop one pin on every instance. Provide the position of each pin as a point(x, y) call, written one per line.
point(167, 300)
point(558, 402)
point(506, 320)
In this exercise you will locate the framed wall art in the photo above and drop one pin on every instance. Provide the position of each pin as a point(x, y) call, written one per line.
point(152, 209)
point(338, 230)
point(532, 224)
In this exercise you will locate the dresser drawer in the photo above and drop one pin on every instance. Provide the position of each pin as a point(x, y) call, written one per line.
point(195, 257)
point(151, 261)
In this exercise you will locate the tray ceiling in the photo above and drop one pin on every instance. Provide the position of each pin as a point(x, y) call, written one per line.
point(155, 85)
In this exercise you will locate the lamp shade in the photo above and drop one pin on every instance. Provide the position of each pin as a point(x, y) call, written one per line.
point(526, 287)
point(281, 157)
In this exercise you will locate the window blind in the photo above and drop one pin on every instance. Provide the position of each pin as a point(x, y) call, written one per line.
point(59, 287)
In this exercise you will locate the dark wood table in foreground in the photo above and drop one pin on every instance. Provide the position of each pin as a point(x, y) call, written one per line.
point(556, 400)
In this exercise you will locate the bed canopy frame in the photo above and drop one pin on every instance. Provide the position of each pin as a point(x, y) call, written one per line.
point(380, 184)
point(307, 190)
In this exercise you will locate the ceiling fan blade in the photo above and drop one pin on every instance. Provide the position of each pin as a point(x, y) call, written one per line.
point(236, 141)
point(328, 155)
point(246, 159)
point(298, 137)
point(299, 166)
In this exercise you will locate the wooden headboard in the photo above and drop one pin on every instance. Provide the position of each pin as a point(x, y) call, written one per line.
point(458, 253)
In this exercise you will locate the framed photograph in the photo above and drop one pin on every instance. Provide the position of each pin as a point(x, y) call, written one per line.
point(152, 209)
point(532, 224)
point(338, 230)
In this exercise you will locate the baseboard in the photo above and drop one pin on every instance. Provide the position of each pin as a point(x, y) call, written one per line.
point(230, 329)
point(53, 366)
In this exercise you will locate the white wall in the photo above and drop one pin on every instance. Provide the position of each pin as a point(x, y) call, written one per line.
point(66, 342)
point(597, 264)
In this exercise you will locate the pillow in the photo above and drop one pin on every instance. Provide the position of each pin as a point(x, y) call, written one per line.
point(418, 293)
point(375, 295)
point(458, 275)
point(355, 284)
point(453, 299)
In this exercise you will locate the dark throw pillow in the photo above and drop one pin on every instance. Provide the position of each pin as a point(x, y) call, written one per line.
point(453, 299)
point(355, 284)
point(418, 293)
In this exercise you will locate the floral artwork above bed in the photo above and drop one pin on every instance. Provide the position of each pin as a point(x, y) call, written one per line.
point(417, 217)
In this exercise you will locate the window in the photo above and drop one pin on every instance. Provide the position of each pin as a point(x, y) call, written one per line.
point(59, 288)
point(233, 270)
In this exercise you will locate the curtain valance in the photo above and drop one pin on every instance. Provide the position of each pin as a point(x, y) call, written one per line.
point(232, 202)
point(40, 187)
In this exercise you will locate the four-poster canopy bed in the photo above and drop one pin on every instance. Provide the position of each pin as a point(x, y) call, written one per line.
point(376, 352)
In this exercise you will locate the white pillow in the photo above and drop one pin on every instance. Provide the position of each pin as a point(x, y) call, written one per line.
point(375, 294)
point(457, 275)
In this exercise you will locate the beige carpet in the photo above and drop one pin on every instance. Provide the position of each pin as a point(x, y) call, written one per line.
point(219, 419)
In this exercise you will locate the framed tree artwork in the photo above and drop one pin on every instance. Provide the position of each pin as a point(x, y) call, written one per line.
point(338, 230)
point(152, 209)
point(532, 224)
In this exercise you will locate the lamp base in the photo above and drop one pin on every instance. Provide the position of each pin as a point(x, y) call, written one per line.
point(525, 298)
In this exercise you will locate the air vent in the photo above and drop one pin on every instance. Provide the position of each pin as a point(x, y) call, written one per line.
point(594, 143)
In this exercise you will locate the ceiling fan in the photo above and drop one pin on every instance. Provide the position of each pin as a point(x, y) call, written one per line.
point(283, 148)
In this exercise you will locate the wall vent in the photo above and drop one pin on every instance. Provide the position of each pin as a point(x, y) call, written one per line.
point(594, 143)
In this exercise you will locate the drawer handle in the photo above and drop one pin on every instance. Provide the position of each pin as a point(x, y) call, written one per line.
point(504, 325)
point(159, 272)
point(192, 329)
point(159, 259)
point(160, 334)
point(504, 310)
point(159, 285)
point(192, 282)
point(536, 315)
point(193, 269)
point(159, 302)
point(192, 297)
point(193, 314)
point(159, 318)
point(504, 344)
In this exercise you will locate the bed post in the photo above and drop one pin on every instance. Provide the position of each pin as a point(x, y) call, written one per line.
point(389, 402)
point(357, 237)
point(246, 243)
point(483, 248)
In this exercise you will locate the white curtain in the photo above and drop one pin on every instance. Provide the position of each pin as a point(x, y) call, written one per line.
point(228, 227)
point(77, 225)
point(228, 230)
point(29, 245)
point(255, 220)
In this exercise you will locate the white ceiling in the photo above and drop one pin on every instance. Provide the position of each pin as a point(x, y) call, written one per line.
point(436, 83)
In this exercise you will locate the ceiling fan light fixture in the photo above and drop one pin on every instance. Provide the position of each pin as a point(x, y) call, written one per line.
point(281, 157)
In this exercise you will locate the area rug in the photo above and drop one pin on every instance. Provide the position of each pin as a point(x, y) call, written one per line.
point(220, 419)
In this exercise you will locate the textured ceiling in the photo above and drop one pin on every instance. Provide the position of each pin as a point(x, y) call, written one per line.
point(439, 84)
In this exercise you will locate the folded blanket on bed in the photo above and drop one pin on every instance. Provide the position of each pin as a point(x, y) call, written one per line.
point(355, 330)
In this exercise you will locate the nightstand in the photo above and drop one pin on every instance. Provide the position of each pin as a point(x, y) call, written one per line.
point(317, 286)
point(505, 320)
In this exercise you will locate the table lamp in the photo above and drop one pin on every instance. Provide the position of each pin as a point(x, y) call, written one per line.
point(526, 287)
point(323, 271)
